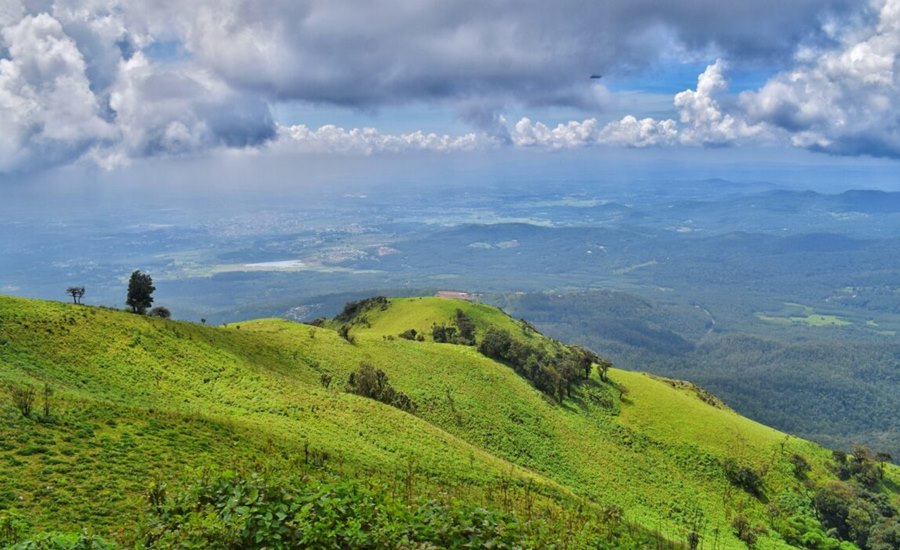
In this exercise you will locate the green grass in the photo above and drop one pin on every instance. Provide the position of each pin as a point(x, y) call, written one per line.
point(136, 397)
point(794, 313)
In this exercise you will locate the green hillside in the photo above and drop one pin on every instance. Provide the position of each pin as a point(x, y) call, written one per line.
point(137, 401)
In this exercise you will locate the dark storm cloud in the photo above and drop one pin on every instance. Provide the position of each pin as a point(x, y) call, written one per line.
point(391, 51)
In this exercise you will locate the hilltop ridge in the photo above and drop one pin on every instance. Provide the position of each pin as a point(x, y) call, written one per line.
point(135, 398)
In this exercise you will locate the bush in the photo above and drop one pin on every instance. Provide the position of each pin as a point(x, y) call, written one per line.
point(373, 383)
point(443, 334)
point(744, 530)
point(800, 466)
point(409, 334)
point(344, 332)
point(161, 311)
point(744, 477)
point(23, 399)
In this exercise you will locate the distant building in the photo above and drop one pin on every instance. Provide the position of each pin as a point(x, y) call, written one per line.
point(457, 295)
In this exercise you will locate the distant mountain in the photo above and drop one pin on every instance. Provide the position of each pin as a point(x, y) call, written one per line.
point(874, 202)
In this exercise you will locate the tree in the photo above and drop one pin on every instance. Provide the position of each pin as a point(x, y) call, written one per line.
point(495, 343)
point(466, 328)
point(140, 292)
point(76, 292)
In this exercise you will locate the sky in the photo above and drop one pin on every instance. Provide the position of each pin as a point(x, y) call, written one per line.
point(113, 89)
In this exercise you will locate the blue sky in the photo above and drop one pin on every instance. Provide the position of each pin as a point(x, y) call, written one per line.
point(103, 87)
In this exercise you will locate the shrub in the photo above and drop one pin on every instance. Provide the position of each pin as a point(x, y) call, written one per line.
point(373, 383)
point(344, 332)
point(744, 530)
point(408, 334)
point(443, 334)
point(23, 398)
point(744, 477)
point(800, 466)
point(161, 311)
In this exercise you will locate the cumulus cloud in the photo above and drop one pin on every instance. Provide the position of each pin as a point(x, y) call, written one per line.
point(48, 112)
point(74, 84)
point(564, 136)
point(701, 122)
point(702, 117)
point(646, 132)
point(842, 100)
point(78, 78)
point(367, 141)
point(181, 109)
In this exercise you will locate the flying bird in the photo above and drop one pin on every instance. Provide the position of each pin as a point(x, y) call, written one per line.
point(596, 76)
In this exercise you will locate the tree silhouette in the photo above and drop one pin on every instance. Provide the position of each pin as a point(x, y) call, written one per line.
point(140, 292)
point(76, 292)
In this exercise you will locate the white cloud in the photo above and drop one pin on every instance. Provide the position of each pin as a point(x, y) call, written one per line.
point(74, 82)
point(703, 119)
point(48, 112)
point(367, 141)
point(176, 110)
point(564, 136)
point(842, 100)
point(646, 132)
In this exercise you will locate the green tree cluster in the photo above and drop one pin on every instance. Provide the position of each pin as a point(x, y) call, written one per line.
point(552, 373)
point(373, 383)
point(462, 331)
point(353, 309)
point(853, 508)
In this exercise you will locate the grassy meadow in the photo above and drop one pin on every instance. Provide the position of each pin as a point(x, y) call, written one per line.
point(135, 400)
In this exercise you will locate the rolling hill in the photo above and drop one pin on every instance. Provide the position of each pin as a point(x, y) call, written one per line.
point(137, 403)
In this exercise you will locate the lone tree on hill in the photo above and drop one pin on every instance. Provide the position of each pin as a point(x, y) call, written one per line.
point(76, 292)
point(140, 292)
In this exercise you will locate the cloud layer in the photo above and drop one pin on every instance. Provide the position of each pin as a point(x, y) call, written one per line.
point(111, 80)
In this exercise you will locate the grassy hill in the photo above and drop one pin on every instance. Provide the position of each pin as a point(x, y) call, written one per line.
point(138, 401)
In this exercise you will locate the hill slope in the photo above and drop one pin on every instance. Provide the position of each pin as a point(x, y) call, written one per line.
point(136, 398)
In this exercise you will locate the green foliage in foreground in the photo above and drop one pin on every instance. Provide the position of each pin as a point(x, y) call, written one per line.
point(252, 511)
